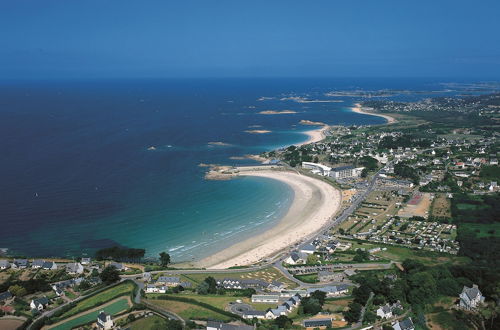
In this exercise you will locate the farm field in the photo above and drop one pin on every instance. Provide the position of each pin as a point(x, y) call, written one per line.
point(113, 308)
point(146, 323)
point(99, 298)
point(441, 206)
point(188, 311)
point(10, 324)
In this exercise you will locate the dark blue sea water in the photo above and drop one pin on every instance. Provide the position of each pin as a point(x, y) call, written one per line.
point(78, 172)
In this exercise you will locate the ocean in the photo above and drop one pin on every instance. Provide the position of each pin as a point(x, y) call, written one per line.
point(93, 164)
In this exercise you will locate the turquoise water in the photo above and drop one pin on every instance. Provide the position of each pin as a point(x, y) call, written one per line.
point(79, 173)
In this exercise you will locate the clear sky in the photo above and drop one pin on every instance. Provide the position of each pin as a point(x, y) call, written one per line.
point(212, 38)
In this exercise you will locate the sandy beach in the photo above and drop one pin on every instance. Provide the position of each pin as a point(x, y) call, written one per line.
point(314, 135)
point(359, 109)
point(314, 204)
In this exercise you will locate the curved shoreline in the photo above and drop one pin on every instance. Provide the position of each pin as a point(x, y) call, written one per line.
point(315, 203)
point(314, 135)
point(359, 109)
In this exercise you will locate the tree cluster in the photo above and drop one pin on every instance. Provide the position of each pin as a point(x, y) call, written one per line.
point(120, 254)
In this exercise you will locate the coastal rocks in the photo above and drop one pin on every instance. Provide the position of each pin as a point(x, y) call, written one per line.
point(311, 123)
point(217, 172)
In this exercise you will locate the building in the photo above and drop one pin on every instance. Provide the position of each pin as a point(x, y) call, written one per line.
point(294, 259)
point(4, 264)
point(104, 321)
point(276, 286)
point(470, 298)
point(85, 261)
point(5, 295)
point(317, 168)
point(233, 283)
point(20, 263)
point(39, 303)
point(405, 324)
point(273, 313)
point(334, 290)
point(387, 311)
point(265, 298)
point(49, 265)
point(254, 314)
point(384, 312)
point(74, 268)
point(118, 266)
point(318, 323)
point(169, 280)
point(308, 249)
point(215, 325)
point(37, 263)
point(328, 276)
point(346, 172)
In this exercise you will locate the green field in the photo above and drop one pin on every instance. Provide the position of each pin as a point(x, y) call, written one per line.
point(309, 278)
point(146, 323)
point(116, 307)
point(483, 230)
point(188, 311)
point(100, 298)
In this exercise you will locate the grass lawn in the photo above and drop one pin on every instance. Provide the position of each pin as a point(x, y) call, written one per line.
point(309, 278)
point(188, 311)
point(146, 322)
point(398, 253)
point(70, 294)
point(99, 298)
point(214, 300)
point(115, 308)
point(337, 305)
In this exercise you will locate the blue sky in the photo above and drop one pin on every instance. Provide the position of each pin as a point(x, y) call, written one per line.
point(219, 38)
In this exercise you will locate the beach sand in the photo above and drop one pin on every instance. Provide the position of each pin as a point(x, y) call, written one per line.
point(315, 203)
point(359, 109)
point(314, 135)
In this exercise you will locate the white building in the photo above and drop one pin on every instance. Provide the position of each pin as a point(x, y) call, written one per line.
point(470, 298)
point(265, 298)
point(315, 168)
point(345, 172)
point(39, 303)
point(74, 268)
point(104, 321)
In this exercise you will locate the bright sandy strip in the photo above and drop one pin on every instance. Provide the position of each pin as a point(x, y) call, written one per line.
point(359, 109)
point(314, 204)
point(314, 135)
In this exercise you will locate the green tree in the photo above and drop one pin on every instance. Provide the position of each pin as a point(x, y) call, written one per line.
point(312, 259)
point(369, 317)
point(283, 322)
point(202, 288)
point(353, 314)
point(110, 275)
point(311, 306)
point(164, 259)
point(320, 296)
point(17, 290)
point(212, 285)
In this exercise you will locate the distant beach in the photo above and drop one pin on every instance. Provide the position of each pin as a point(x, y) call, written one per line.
point(359, 109)
point(315, 203)
point(314, 135)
